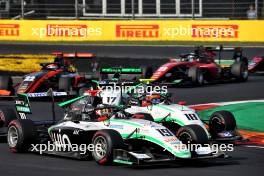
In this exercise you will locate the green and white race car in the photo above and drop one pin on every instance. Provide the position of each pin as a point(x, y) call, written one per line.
point(158, 107)
point(117, 136)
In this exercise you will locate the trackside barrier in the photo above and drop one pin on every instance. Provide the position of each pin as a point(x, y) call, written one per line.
point(137, 30)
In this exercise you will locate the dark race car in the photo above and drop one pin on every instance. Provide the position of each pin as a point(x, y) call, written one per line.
point(68, 74)
point(201, 66)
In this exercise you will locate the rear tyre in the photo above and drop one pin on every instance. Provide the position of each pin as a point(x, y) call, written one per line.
point(196, 75)
point(105, 141)
point(6, 83)
point(146, 116)
point(193, 134)
point(6, 116)
point(65, 84)
point(221, 121)
point(21, 134)
point(240, 71)
point(147, 72)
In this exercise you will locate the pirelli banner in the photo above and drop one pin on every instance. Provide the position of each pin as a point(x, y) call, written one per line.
point(137, 30)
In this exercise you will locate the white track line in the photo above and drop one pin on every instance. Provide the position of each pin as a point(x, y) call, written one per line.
point(228, 103)
point(254, 146)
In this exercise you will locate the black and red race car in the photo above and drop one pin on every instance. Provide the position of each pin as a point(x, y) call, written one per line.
point(256, 64)
point(70, 73)
point(203, 66)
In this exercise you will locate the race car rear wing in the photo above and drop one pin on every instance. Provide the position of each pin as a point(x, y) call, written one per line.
point(113, 70)
point(83, 62)
point(222, 48)
point(74, 55)
point(23, 107)
point(121, 73)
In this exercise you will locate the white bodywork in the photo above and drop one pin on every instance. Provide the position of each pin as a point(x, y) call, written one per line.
point(135, 128)
point(175, 113)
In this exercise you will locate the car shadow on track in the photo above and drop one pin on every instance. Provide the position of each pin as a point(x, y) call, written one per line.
point(191, 164)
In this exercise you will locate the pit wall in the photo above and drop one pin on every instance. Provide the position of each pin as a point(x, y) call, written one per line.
point(137, 30)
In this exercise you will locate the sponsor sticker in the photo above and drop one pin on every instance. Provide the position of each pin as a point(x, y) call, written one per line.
point(137, 31)
point(10, 30)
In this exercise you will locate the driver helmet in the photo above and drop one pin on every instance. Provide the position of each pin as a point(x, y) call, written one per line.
point(103, 111)
point(154, 98)
point(191, 58)
point(52, 67)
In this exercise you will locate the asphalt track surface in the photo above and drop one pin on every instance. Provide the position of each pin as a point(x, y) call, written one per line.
point(244, 161)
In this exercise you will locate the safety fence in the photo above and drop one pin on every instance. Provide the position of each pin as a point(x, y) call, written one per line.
point(131, 9)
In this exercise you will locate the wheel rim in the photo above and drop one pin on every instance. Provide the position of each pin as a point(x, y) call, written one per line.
point(244, 73)
point(100, 147)
point(185, 137)
point(217, 124)
point(12, 136)
point(200, 78)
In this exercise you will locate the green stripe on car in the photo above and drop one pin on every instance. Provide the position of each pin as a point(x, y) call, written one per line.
point(160, 143)
point(123, 162)
point(70, 101)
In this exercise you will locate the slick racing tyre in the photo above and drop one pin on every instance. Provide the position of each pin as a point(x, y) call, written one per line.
point(105, 142)
point(145, 115)
point(196, 75)
point(240, 71)
point(221, 121)
point(21, 134)
point(6, 116)
point(147, 72)
point(6, 83)
point(65, 84)
point(193, 134)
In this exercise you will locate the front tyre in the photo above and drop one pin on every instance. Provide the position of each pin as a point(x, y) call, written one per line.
point(196, 75)
point(240, 71)
point(192, 134)
point(105, 142)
